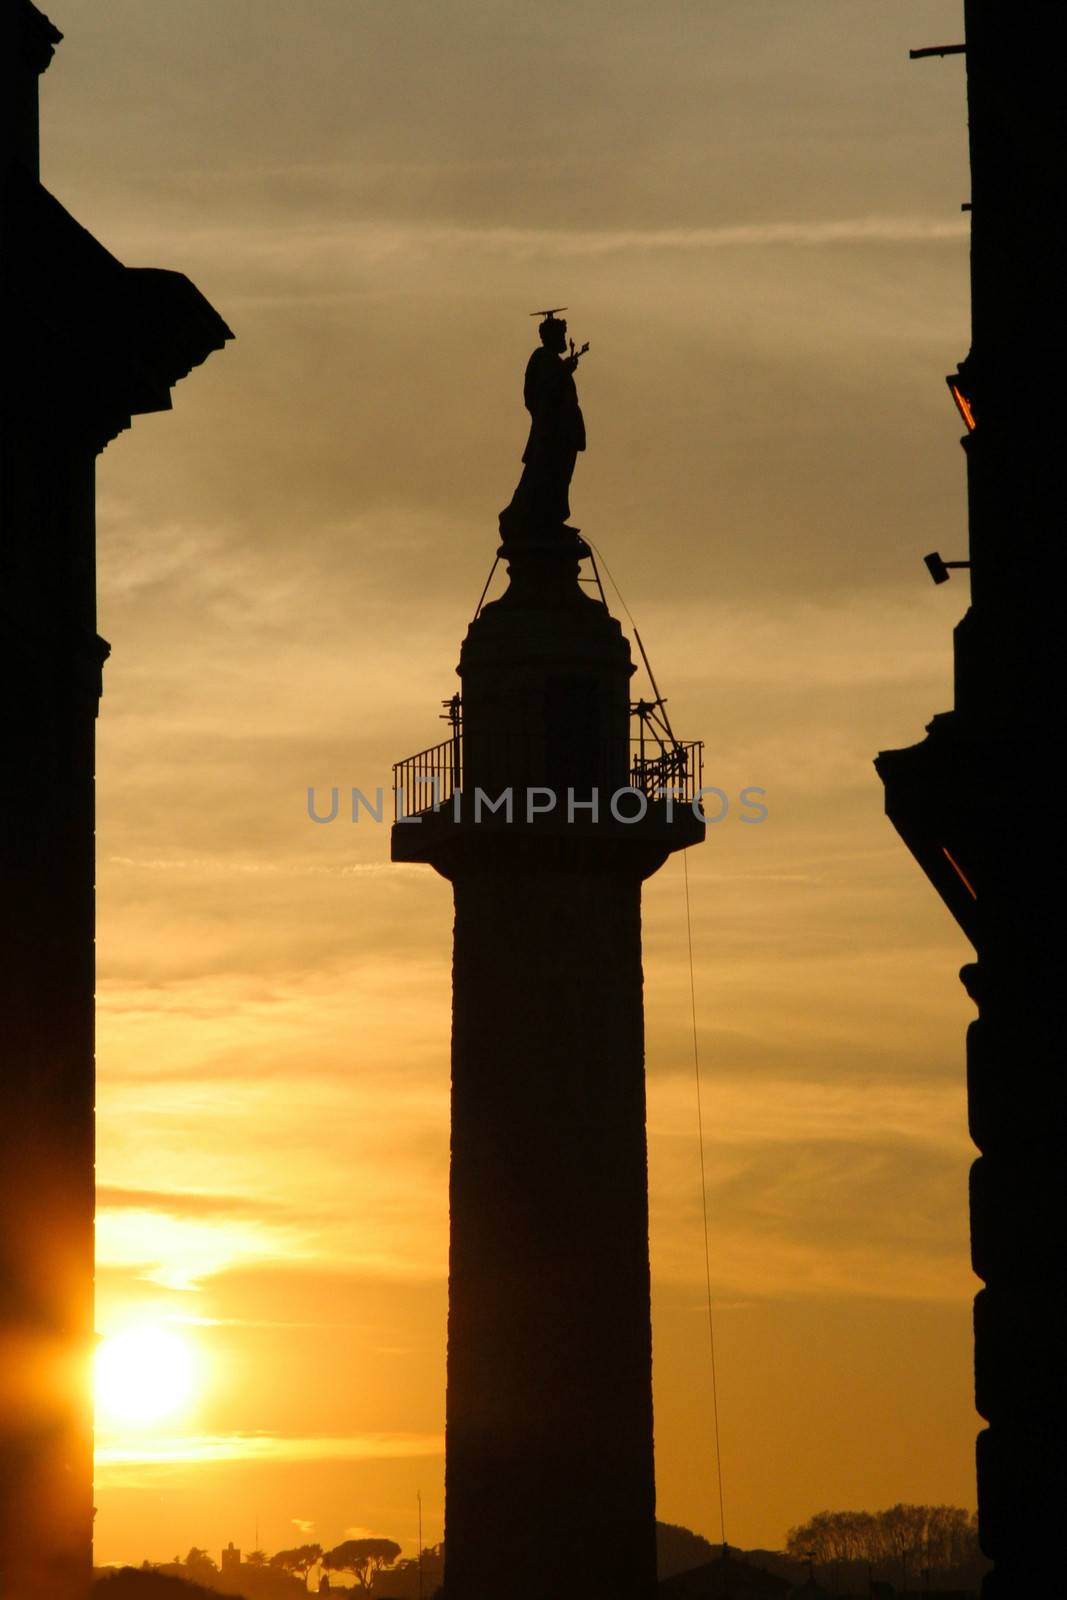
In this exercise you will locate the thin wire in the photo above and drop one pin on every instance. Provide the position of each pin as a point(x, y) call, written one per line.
point(600, 557)
point(485, 591)
point(704, 1201)
point(644, 653)
point(699, 1116)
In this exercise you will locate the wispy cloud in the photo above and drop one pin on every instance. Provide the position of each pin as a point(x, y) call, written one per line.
point(219, 866)
point(215, 1447)
point(112, 1197)
point(728, 236)
point(178, 1252)
point(361, 242)
point(790, 1112)
point(820, 1189)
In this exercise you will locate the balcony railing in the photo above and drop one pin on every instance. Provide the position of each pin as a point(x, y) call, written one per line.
point(428, 781)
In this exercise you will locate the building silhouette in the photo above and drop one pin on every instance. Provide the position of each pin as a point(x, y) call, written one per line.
point(87, 344)
point(972, 800)
point(549, 1406)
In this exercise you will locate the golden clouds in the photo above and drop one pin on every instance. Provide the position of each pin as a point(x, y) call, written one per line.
point(754, 210)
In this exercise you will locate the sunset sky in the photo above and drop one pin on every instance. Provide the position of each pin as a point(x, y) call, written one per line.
point(752, 210)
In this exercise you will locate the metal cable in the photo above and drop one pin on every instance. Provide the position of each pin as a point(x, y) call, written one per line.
point(704, 1204)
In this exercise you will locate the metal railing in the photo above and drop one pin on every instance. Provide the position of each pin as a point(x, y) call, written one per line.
point(428, 781)
point(676, 769)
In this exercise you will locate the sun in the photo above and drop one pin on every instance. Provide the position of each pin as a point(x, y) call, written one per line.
point(143, 1374)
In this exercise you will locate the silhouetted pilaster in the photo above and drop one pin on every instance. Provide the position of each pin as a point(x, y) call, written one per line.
point(977, 801)
point(86, 343)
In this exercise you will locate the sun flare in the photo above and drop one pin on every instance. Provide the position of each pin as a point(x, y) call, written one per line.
point(143, 1374)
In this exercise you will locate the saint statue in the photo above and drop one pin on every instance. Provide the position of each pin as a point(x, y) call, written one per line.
point(540, 504)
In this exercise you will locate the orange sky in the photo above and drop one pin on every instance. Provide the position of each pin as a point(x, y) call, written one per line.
point(752, 211)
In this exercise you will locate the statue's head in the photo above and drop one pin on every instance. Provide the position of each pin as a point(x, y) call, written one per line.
point(553, 333)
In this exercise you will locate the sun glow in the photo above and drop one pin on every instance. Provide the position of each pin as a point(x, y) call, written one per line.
point(142, 1374)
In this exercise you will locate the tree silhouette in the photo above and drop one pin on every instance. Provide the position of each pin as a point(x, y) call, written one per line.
point(299, 1561)
point(199, 1565)
point(362, 1557)
point(414, 1577)
point(913, 1538)
point(837, 1536)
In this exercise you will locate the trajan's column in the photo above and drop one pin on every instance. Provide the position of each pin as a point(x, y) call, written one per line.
point(549, 1403)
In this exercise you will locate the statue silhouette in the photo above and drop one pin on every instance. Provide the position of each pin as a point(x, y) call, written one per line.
point(540, 504)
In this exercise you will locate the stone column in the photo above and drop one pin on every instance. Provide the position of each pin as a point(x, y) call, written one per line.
point(549, 1459)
